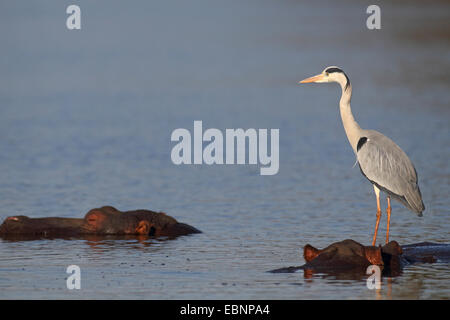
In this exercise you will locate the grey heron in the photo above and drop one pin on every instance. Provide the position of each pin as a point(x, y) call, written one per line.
point(380, 160)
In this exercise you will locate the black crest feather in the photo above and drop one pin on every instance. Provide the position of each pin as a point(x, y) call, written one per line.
point(335, 69)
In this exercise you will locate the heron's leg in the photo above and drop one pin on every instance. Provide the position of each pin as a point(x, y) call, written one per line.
point(388, 211)
point(377, 193)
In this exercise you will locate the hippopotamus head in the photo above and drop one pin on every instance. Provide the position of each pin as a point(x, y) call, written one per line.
point(343, 254)
point(347, 259)
point(109, 220)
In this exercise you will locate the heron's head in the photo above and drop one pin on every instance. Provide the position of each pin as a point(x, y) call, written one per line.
point(330, 74)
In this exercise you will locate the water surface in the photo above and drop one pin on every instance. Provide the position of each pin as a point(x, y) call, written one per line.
point(86, 118)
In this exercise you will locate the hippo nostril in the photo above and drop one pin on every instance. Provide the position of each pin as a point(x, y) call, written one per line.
point(152, 231)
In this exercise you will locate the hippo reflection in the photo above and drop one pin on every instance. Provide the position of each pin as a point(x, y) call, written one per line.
point(101, 221)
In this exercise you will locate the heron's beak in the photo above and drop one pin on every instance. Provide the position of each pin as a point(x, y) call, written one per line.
point(312, 79)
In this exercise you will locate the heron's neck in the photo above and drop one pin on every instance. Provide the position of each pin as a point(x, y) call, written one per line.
point(351, 127)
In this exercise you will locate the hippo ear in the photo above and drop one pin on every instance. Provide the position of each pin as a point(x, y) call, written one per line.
point(309, 252)
point(93, 220)
point(145, 228)
point(373, 254)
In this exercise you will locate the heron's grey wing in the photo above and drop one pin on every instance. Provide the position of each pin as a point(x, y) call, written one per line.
point(386, 165)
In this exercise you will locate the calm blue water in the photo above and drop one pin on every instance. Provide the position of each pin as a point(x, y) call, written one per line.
point(86, 118)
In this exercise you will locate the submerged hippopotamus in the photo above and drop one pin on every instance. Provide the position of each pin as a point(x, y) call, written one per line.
point(101, 221)
point(351, 257)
